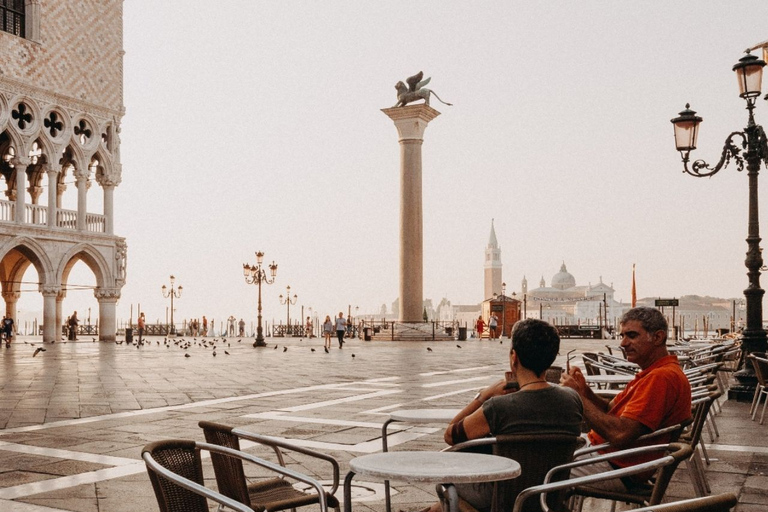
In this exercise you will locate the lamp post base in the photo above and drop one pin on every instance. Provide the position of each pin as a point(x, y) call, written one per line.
point(259, 343)
point(743, 386)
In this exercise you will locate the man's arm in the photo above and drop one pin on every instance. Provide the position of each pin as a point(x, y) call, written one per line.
point(618, 431)
point(474, 423)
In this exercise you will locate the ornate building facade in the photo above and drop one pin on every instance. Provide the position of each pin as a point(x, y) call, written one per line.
point(61, 103)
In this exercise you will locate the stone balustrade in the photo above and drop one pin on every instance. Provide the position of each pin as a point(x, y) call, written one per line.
point(37, 215)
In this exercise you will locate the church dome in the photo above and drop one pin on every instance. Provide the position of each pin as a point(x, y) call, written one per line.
point(563, 280)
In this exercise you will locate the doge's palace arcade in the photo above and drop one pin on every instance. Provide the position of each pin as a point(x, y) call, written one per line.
point(61, 102)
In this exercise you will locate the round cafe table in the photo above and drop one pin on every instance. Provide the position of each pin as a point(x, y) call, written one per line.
point(430, 467)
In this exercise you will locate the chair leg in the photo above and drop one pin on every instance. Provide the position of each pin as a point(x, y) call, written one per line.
point(700, 468)
point(758, 388)
point(714, 426)
point(703, 447)
point(698, 486)
point(757, 405)
point(765, 402)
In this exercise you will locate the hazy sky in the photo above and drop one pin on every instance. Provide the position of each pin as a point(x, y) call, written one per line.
point(256, 125)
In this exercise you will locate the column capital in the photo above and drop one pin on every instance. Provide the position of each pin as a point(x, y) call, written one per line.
point(107, 294)
point(411, 120)
point(11, 296)
point(52, 168)
point(21, 161)
point(49, 290)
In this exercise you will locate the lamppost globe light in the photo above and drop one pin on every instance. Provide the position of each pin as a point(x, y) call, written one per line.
point(259, 257)
point(686, 129)
point(173, 279)
point(273, 269)
point(749, 73)
point(164, 288)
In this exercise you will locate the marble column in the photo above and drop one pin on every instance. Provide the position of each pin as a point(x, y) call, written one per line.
point(82, 200)
point(411, 121)
point(50, 331)
point(109, 223)
point(11, 298)
point(59, 317)
point(21, 165)
point(53, 201)
point(107, 298)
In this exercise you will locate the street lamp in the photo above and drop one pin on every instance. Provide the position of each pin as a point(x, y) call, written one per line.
point(256, 274)
point(749, 72)
point(172, 293)
point(288, 301)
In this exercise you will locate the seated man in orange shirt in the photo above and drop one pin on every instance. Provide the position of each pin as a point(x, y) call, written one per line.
point(658, 397)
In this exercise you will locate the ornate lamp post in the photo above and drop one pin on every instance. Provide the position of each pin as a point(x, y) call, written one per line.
point(752, 141)
point(288, 301)
point(172, 293)
point(256, 274)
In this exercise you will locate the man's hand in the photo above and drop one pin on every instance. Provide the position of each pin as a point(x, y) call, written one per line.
point(574, 379)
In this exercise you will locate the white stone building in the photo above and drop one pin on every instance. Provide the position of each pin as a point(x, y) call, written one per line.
point(61, 102)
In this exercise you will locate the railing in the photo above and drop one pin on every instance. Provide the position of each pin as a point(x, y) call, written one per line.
point(281, 330)
point(7, 211)
point(36, 214)
point(66, 219)
point(95, 222)
point(428, 330)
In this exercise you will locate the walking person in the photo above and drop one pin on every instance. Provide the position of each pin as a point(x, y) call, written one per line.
point(8, 330)
point(327, 329)
point(142, 325)
point(493, 324)
point(241, 327)
point(341, 327)
point(72, 323)
point(479, 326)
point(308, 328)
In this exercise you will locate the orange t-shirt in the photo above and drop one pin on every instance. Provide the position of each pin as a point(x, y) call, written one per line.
point(658, 397)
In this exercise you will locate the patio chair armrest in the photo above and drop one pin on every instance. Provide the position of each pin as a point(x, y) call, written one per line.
point(621, 454)
point(276, 444)
point(472, 443)
point(193, 486)
point(548, 487)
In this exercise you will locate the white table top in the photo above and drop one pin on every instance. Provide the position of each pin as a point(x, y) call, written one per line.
point(609, 379)
point(435, 467)
point(424, 415)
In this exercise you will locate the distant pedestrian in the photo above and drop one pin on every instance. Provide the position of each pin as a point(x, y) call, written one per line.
point(327, 329)
point(231, 323)
point(308, 328)
point(72, 323)
point(142, 326)
point(341, 327)
point(493, 324)
point(480, 326)
point(205, 326)
point(241, 325)
point(8, 330)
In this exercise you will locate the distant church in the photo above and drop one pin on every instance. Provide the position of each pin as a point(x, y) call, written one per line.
point(492, 267)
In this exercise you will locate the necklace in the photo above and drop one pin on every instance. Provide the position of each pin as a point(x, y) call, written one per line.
point(529, 383)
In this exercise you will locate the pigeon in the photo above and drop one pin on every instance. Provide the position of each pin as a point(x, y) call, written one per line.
point(353, 356)
point(187, 355)
point(326, 349)
point(53, 341)
point(285, 349)
point(429, 349)
point(312, 349)
point(459, 346)
point(226, 352)
point(38, 350)
point(501, 343)
point(214, 353)
point(275, 348)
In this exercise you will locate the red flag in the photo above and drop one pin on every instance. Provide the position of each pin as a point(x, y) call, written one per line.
point(634, 288)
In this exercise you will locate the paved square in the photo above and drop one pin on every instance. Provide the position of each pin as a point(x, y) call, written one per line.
point(76, 416)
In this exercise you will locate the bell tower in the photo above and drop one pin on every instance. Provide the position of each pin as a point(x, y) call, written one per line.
point(492, 266)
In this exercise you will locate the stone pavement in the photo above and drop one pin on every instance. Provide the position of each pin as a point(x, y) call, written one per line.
point(73, 419)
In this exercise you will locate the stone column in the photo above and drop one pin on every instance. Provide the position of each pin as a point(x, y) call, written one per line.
point(82, 200)
point(59, 318)
point(107, 298)
point(51, 332)
point(11, 298)
point(53, 200)
point(109, 224)
point(411, 121)
point(34, 194)
point(20, 165)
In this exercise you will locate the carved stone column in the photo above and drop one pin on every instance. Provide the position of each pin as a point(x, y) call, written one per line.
point(60, 189)
point(53, 197)
point(82, 199)
point(59, 318)
point(107, 298)
point(34, 194)
point(51, 331)
point(11, 298)
point(21, 165)
point(411, 121)
point(109, 223)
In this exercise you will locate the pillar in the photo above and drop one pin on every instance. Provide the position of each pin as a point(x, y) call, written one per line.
point(82, 199)
point(53, 199)
point(410, 122)
point(109, 225)
point(11, 298)
point(59, 318)
point(107, 298)
point(20, 165)
point(51, 331)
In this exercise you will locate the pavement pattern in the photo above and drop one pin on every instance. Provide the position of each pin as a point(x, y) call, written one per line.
point(74, 418)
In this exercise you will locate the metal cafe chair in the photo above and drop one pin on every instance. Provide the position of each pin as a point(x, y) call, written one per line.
point(536, 453)
point(270, 494)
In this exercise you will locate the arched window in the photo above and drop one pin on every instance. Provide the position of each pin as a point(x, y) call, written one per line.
point(12, 17)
